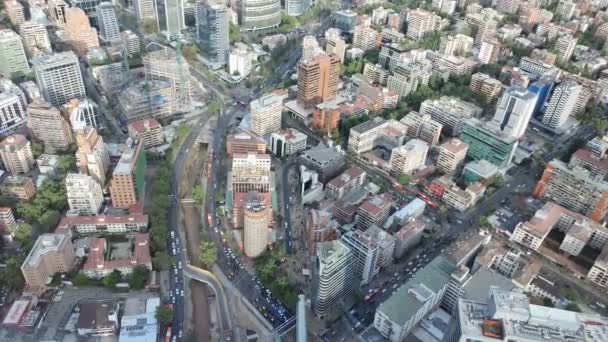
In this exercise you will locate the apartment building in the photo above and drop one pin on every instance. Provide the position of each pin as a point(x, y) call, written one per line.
point(366, 38)
point(334, 44)
point(145, 10)
point(374, 133)
point(15, 11)
point(17, 188)
point(450, 112)
point(408, 158)
point(455, 45)
point(484, 84)
point(16, 154)
point(109, 30)
point(130, 42)
point(266, 114)
point(12, 113)
point(35, 38)
point(462, 199)
point(423, 127)
point(212, 32)
point(255, 225)
point(84, 194)
point(366, 253)
point(333, 278)
point(561, 104)
point(79, 33)
point(164, 65)
point(103, 224)
point(92, 157)
point(451, 155)
point(83, 113)
point(318, 80)
point(320, 227)
point(128, 177)
point(352, 178)
point(420, 23)
point(148, 130)
point(7, 220)
point(12, 55)
point(49, 126)
point(374, 211)
point(58, 77)
point(326, 116)
point(514, 111)
point(51, 253)
point(564, 47)
point(135, 105)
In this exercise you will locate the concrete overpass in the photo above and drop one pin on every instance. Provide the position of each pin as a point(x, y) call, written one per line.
point(224, 318)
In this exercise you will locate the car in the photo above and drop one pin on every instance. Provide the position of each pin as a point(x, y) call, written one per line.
point(182, 293)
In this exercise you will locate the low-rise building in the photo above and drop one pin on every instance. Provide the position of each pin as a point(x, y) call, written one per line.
point(18, 188)
point(98, 318)
point(149, 130)
point(374, 211)
point(98, 267)
point(103, 224)
point(287, 142)
point(460, 199)
point(451, 155)
point(352, 178)
point(479, 171)
point(51, 253)
point(327, 161)
point(243, 143)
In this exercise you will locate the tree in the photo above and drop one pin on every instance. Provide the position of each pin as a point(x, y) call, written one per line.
point(600, 126)
point(149, 26)
point(139, 277)
point(431, 41)
point(483, 221)
point(37, 149)
point(164, 314)
point(491, 69)
point(111, 279)
point(207, 253)
point(234, 33)
point(214, 107)
point(404, 179)
point(190, 53)
point(371, 55)
point(573, 307)
point(49, 220)
point(162, 260)
point(220, 196)
point(80, 280)
point(548, 302)
point(65, 164)
point(197, 194)
point(23, 232)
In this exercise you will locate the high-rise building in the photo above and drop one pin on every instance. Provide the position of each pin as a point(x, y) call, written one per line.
point(57, 12)
point(171, 16)
point(130, 42)
point(486, 85)
point(83, 113)
point(566, 9)
point(92, 156)
point(49, 126)
point(445, 6)
point(266, 114)
point(12, 113)
point(451, 155)
point(15, 12)
point(514, 111)
point(255, 225)
point(451, 112)
point(366, 253)
point(561, 104)
point(84, 194)
point(145, 10)
point(366, 38)
point(16, 153)
point(250, 172)
point(109, 30)
point(374, 211)
point(310, 48)
point(163, 65)
point(35, 38)
point(421, 126)
point(212, 22)
point(333, 278)
point(421, 22)
point(127, 184)
point(295, 8)
point(507, 6)
point(318, 80)
point(243, 143)
point(12, 55)
point(489, 51)
point(78, 31)
point(334, 44)
point(564, 47)
point(51, 254)
point(240, 60)
point(487, 142)
point(257, 15)
point(58, 77)
point(542, 89)
point(408, 158)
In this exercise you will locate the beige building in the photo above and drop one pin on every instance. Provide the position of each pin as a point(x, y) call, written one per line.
point(409, 157)
point(318, 80)
point(15, 12)
point(242, 143)
point(451, 155)
point(149, 130)
point(461, 200)
point(255, 226)
point(163, 65)
point(484, 84)
point(423, 127)
point(92, 156)
point(12, 55)
point(49, 126)
point(335, 44)
point(250, 172)
point(51, 253)
point(421, 22)
point(18, 188)
point(366, 38)
point(84, 194)
point(127, 182)
point(16, 153)
point(266, 114)
point(35, 38)
point(78, 31)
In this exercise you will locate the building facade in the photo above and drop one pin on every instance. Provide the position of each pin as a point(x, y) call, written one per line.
point(49, 126)
point(16, 153)
point(12, 55)
point(84, 194)
point(128, 177)
point(212, 28)
point(58, 77)
point(333, 277)
point(266, 114)
point(318, 80)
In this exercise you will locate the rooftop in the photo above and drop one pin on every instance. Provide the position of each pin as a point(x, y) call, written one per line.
point(327, 249)
point(454, 145)
point(322, 153)
point(97, 314)
point(351, 173)
point(68, 222)
point(140, 255)
point(245, 137)
point(377, 204)
point(144, 125)
point(128, 159)
point(45, 244)
point(51, 58)
point(549, 215)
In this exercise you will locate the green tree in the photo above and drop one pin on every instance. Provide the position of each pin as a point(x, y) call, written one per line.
point(23, 232)
point(431, 41)
point(491, 69)
point(37, 149)
point(11, 275)
point(190, 53)
point(415, 98)
point(139, 277)
point(234, 33)
point(49, 220)
point(164, 314)
point(404, 179)
point(197, 194)
point(573, 307)
point(548, 302)
point(371, 55)
point(111, 279)
point(220, 196)
point(80, 280)
point(207, 253)
point(149, 26)
point(65, 164)
point(600, 125)
point(162, 260)
point(214, 107)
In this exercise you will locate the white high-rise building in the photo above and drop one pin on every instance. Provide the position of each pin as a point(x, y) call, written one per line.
point(12, 114)
point(564, 47)
point(212, 33)
point(266, 114)
point(130, 42)
point(310, 48)
point(145, 9)
point(255, 15)
point(84, 194)
point(109, 31)
point(35, 38)
point(12, 55)
point(83, 113)
point(408, 158)
point(514, 111)
point(240, 61)
point(255, 225)
point(58, 77)
point(561, 105)
point(333, 278)
point(295, 8)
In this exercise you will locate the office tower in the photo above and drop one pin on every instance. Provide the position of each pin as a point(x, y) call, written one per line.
point(12, 113)
point(366, 253)
point(422, 127)
point(49, 126)
point(92, 156)
point(148, 130)
point(84, 194)
point(487, 142)
point(83, 113)
point(212, 30)
point(15, 12)
point(58, 77)
point(145, 10)
point(164, 65)
point(455, 45)
point(244, 142)
point(9, 88)
point(542, 89)
point(255, 225)
point(35, 38)
point(12, 55)
point(57, 12)
point(295, 8)
point(451, 112)
point(346, 20)
point(335, 44)
point(564, 47)
point(16, 153)
point(130, 42)
point(78, 31)
point(318, 80)
point(128, 177)
point(51, 254)
point(109, 30)
point(257, 15)
point(333, 278)
point(451, 155)
point(366, 38)
point(172, 19)
point(420, 23)
point(408, 158)
point(287, 142)
point(266, 114)
point(561, 105)
point(514, 111)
